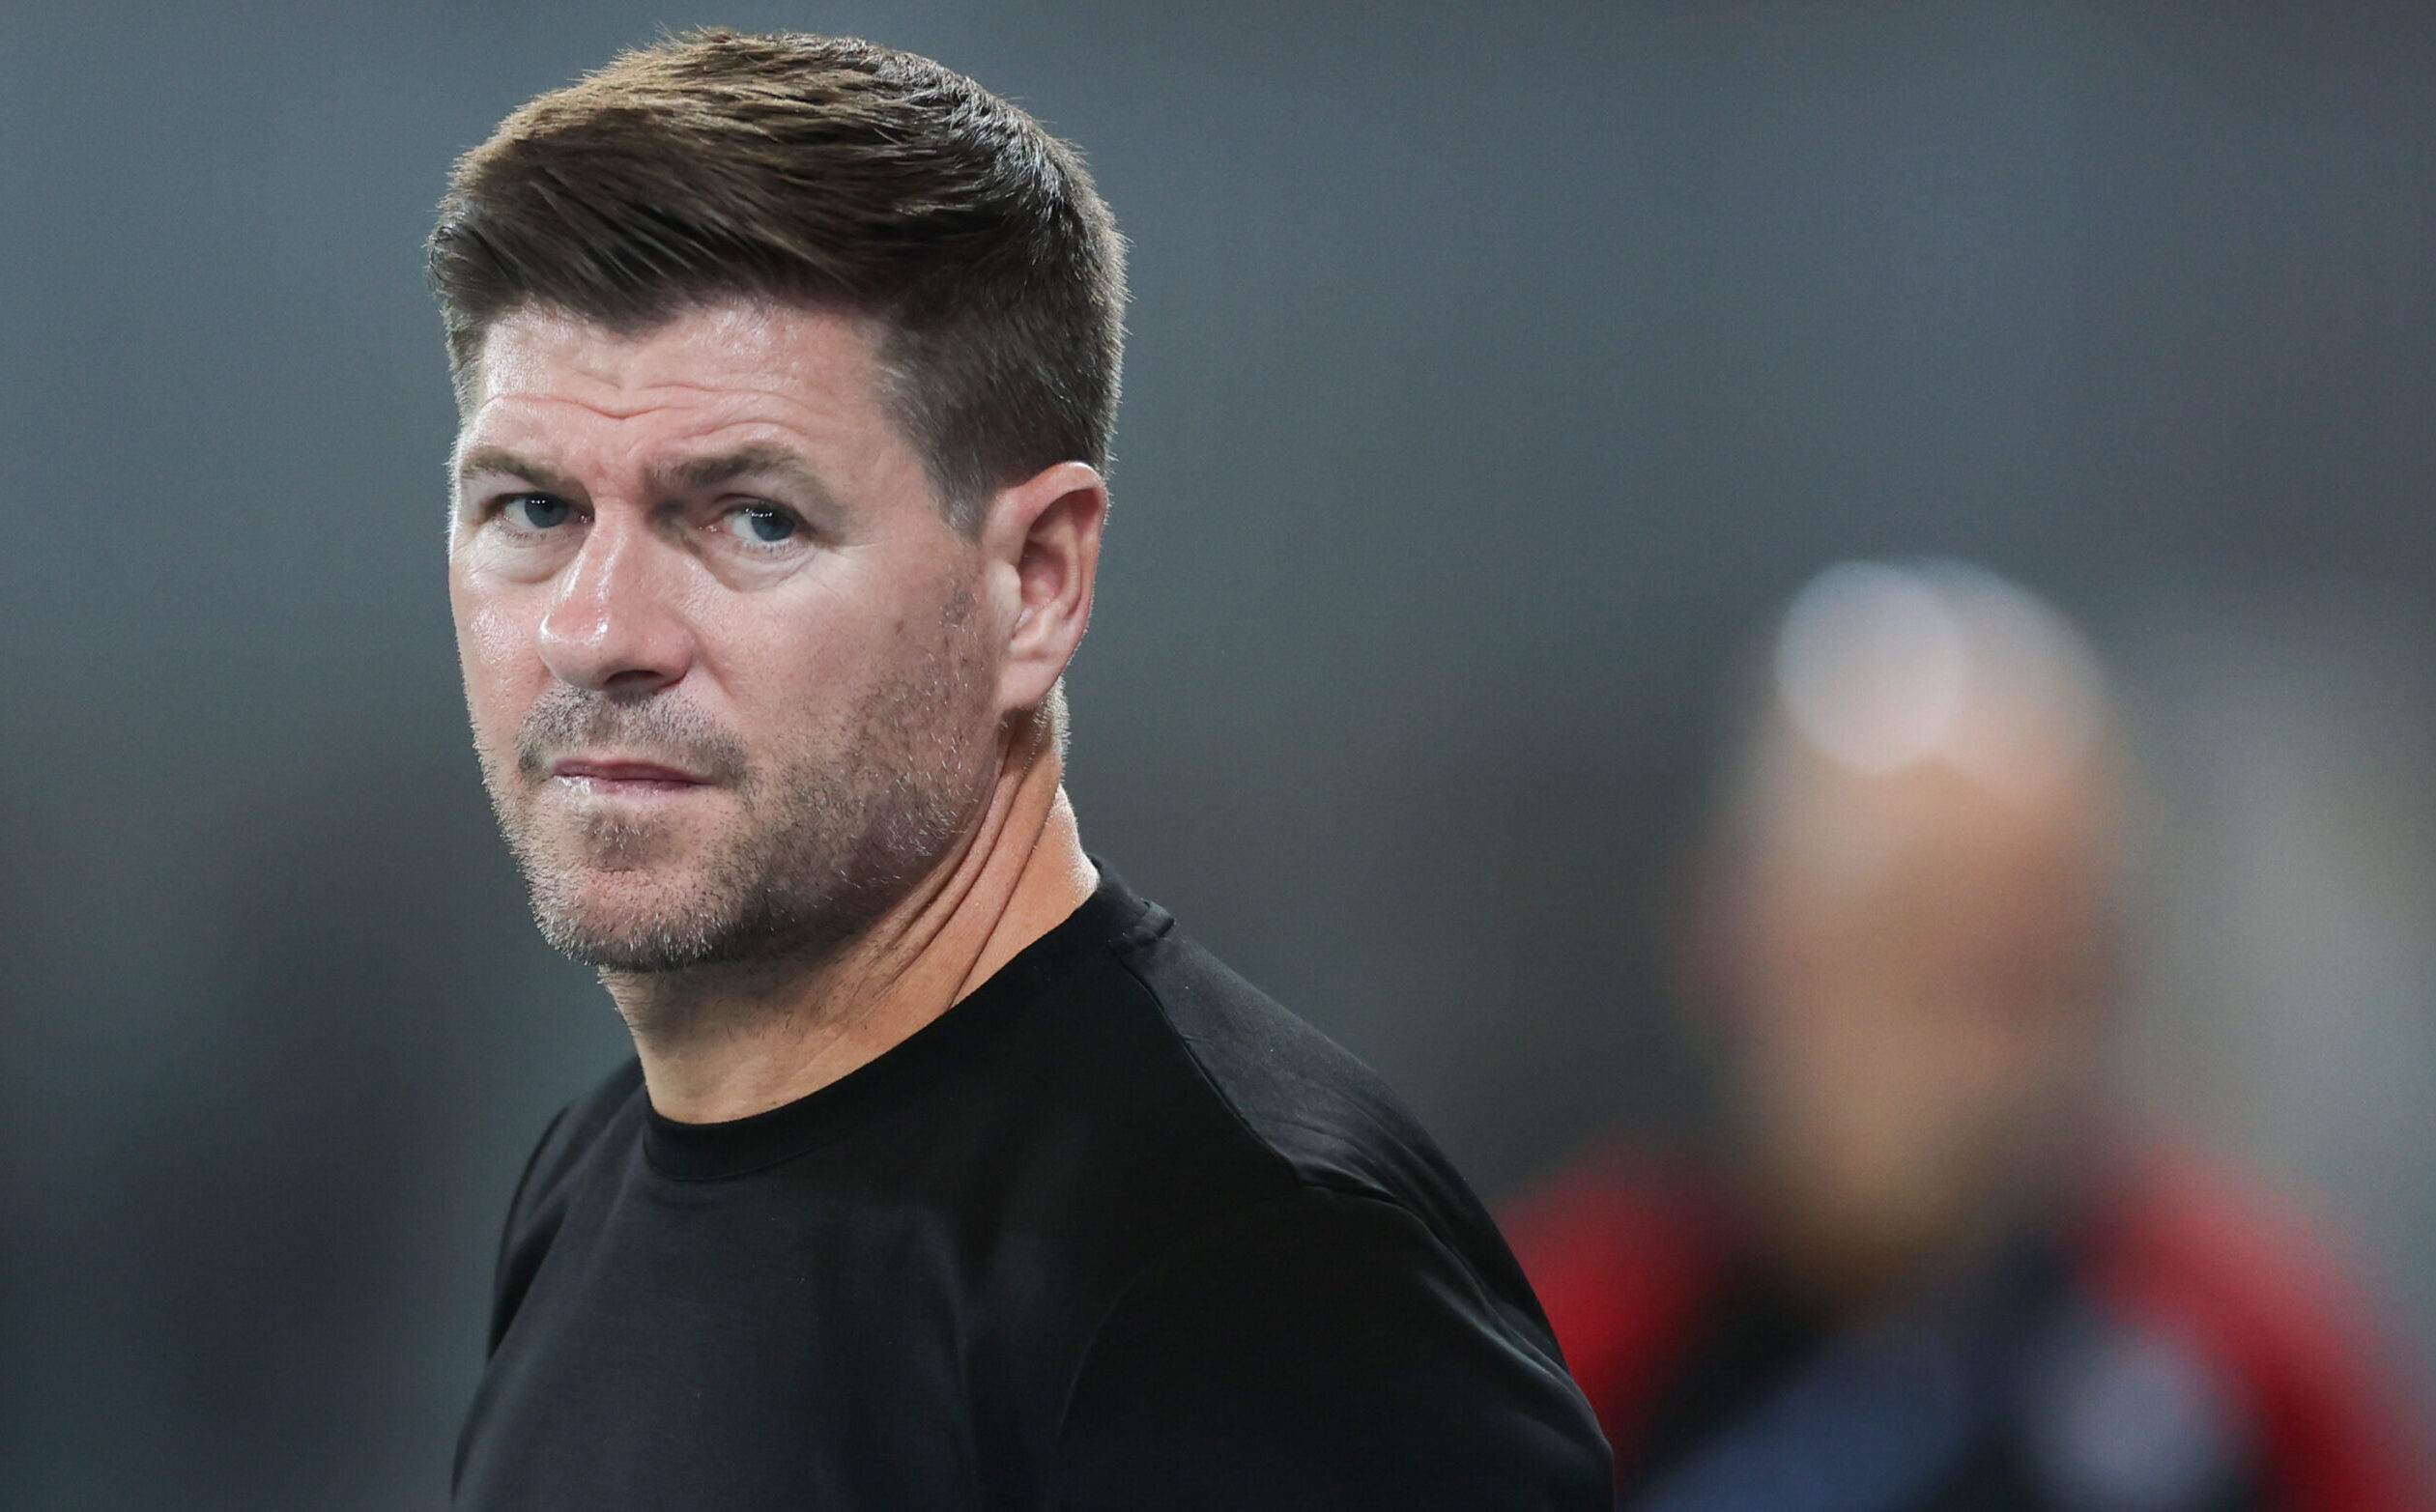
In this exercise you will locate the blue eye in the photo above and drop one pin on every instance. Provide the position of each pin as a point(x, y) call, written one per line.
point(537, 511)
point(767, 523)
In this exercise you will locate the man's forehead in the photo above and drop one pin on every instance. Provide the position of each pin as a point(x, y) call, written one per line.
point(727, 351)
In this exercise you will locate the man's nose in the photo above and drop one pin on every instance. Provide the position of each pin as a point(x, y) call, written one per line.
point(616, 624)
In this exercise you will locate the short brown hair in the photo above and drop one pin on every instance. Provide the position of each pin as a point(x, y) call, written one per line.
point(824, 172)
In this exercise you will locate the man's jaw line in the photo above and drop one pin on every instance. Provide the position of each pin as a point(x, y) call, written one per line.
point(818, 1016)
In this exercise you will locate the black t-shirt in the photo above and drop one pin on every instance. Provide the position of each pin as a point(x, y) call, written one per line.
point(1114, 1231)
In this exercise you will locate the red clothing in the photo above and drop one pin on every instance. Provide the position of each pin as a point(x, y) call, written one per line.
point(1628, 1254)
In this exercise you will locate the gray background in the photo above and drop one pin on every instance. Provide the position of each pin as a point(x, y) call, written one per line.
point(1494, 369)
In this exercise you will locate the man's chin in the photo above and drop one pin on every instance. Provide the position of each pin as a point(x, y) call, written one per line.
point(630, 922)
point(642, 947)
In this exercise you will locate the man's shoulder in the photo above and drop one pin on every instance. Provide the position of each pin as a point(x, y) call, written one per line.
point(1267, 1106)
point(1358, 1329)
point(573, 1142)
point(1291, 1095)
point(611, 1112)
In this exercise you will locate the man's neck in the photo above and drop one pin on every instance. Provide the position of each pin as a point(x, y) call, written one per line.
point(729, 1042)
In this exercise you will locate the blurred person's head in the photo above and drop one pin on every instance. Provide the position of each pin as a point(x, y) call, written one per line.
point(787, 368)
point(1908, 931)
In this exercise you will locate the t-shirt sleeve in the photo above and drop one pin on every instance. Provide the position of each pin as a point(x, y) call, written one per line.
point(1321, 1350)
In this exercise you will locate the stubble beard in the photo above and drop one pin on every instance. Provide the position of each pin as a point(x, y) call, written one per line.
point(828, 841)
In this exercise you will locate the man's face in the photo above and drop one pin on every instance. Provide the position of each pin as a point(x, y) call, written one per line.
point(731, 678)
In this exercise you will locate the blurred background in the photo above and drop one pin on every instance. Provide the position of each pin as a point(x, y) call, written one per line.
point(1497, 372)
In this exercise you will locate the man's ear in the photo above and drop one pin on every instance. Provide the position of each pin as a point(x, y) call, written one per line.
point(1041, 544)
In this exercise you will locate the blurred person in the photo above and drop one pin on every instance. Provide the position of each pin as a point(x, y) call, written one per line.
point(949, 1173)
point(1929, 1266)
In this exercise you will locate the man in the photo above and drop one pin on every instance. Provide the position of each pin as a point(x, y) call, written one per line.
point(1929, 1270)
point(949, 1174)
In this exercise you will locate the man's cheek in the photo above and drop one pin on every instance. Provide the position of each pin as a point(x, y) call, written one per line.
point(495, 636)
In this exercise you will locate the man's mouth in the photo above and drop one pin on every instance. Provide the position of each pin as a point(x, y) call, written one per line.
point(622, 778)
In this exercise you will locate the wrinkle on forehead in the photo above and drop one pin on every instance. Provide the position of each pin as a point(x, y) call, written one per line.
point(735, 346)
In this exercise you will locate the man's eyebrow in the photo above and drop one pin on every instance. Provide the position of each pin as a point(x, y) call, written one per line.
point(775, 462)
point(770, 461)
point(500, 461)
